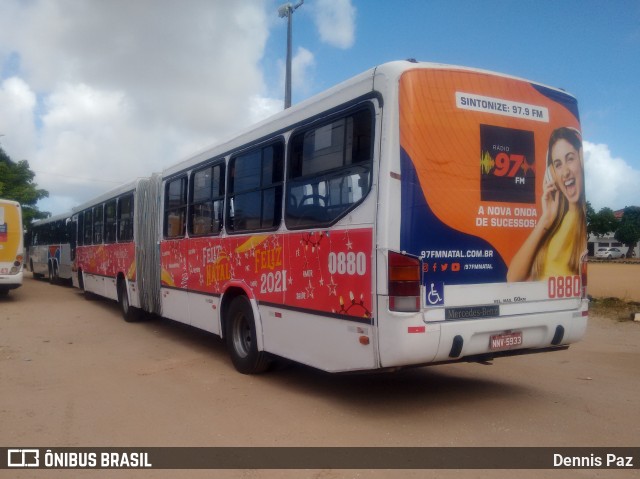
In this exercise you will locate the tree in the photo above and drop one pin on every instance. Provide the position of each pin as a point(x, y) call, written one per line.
point(603, 222)
point(591, 214)
point(628, 231)
point(16, 183)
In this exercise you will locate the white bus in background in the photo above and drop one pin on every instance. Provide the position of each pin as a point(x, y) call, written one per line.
point(393, 220)
point(52, 247)
point(11, 246)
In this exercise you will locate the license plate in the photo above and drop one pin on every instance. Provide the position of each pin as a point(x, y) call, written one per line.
point(505, 340)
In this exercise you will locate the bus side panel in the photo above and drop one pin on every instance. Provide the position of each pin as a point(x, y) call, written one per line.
point(204, 312)
point(175, 304)
point(323, 271)
point(328, 320)
point(60, 256)
point(174, 279)
point(39, 260)
point(101, 265)
point(64, 263)
point(323, 342)
point(324, 277)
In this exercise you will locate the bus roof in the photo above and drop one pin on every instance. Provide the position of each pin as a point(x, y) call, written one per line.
point(51, 219)
point(120, 190)
point(370, 82)
point(10, 202)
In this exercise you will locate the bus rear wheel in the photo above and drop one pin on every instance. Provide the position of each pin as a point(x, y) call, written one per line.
point(241, 338)
point(35, 275)
point(129, 313)
point(53, 273)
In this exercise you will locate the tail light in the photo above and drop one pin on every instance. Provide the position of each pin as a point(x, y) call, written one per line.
point(583, 278)
point(404, 282)
point(17, 264)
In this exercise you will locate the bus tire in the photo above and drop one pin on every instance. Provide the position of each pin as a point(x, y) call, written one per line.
point(241, 338)
point(53, 273)
point(129, 313)
point(35, 275)
point(88, 295)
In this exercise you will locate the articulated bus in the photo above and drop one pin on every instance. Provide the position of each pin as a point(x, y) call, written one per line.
point(11, 246)
point(415, 214)
point(52, 247)
point(113, 232)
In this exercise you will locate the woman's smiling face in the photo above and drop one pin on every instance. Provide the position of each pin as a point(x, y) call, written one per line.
point(568, 170)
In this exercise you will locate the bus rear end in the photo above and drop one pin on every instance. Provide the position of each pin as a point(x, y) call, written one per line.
point(11, 246)
point(489, 255)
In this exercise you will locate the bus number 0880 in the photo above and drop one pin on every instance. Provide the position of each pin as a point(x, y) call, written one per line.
point(348, 263)
point(564, 286)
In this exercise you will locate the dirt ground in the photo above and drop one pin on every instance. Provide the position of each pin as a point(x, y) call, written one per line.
point(73, 373)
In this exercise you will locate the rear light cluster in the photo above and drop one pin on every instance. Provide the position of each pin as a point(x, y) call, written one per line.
point(404, 282)
point(17, 264)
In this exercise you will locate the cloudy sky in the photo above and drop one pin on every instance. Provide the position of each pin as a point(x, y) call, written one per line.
point(95, 93)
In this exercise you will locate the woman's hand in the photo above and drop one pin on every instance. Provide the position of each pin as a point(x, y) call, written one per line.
point(550, 203)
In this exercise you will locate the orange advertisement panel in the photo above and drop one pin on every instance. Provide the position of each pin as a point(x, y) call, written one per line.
point(493, 178)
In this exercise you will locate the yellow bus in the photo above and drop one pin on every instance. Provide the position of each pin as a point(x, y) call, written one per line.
point(11, 246)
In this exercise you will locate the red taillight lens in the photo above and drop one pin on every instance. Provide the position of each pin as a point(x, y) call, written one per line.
point(583, 278)
point(404, 282)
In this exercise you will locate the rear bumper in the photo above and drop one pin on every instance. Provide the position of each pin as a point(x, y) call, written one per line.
point(10, 281)
point(408, 340)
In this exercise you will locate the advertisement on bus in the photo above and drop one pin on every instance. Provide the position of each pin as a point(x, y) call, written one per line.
point(326, 271)
point(493, 183)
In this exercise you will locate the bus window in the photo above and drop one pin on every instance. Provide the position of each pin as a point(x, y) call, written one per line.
point(80, 229)
point(110, 222)
point(330, 170)
point(124, 220)
point(98, 219)
point(255, 189)
point(175, 208)
point(88, 223)
point(207, 199)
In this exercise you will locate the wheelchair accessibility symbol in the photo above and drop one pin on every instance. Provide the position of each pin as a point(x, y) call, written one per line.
point(435, 293)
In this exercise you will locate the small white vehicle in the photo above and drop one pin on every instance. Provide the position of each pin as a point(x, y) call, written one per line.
point(609, 253)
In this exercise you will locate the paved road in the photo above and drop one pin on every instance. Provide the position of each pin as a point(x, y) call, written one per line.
point(73, 373)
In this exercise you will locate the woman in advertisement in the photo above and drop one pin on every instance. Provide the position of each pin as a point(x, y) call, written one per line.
point(557, 243)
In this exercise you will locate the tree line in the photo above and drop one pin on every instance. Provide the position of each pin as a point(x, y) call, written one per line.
point(16, 183)
point(625, 229)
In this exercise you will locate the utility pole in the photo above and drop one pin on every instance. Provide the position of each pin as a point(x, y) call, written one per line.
point(287, 10)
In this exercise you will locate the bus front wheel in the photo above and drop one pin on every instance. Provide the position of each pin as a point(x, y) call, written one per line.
point(241, 338)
